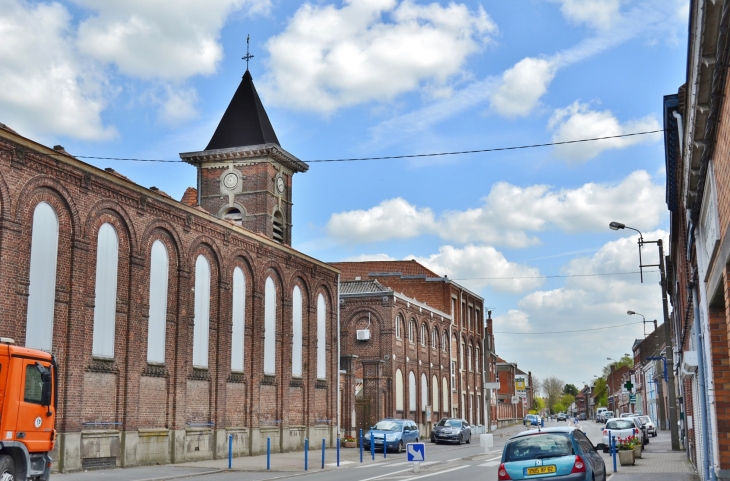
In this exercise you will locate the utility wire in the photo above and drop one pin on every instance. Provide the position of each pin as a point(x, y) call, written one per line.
point(409, 156)
point(570, 331)
point(546, 277)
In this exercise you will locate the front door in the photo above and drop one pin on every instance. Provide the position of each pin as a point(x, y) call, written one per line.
point(363, 416)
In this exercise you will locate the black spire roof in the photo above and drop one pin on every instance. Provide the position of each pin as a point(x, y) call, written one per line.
point(245, 121)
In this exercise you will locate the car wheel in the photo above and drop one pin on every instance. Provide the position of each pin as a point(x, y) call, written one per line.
point(7, 468)
point(605, 450)
point(468, 440)
point(460, 440)
point(399, 449)
point(433, 440)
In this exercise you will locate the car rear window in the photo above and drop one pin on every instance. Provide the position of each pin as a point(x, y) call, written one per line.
point(645, 419)
point(620, 424)
point(537, 446)
point(388, 426)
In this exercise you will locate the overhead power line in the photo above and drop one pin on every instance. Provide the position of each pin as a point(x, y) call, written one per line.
point(545, 277)
point(409, 156)
point(570, 331)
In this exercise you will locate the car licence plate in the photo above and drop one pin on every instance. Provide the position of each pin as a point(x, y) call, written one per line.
point(541, 470)
point(378, 441)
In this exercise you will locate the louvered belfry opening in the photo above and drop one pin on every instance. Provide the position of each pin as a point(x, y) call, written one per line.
point(278, 233)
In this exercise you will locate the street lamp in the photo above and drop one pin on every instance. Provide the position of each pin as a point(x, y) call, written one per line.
point(667, 326)
point(631, 313)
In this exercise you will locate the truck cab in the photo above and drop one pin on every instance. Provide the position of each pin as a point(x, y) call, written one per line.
point(28, 383)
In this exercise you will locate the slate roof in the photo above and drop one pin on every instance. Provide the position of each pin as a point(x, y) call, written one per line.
point(245, 121)
point(362, 287)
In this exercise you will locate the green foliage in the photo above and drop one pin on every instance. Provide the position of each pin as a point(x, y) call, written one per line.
point(567, 399)
point(538, 403)
point(570, 389)
point(600, 392)
point(627, 361)
point(557, 408)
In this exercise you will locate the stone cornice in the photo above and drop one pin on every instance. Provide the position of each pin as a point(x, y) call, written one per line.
point(250, 153)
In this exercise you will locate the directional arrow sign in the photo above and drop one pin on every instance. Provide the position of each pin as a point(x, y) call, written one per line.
point(416, 452)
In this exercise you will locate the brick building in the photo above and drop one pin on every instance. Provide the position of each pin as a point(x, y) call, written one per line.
point(174, 324)
point(614, 388)
point(510, 407)
point(424, 350)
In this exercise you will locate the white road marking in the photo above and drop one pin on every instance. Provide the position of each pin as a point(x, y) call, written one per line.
point(386, 474)
point(452, 460)
point(490, 464)
point(341, 463)
point(437, 473)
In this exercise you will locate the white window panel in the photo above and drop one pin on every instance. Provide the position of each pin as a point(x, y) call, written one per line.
point(297, 338)
point(321, 337)
point(399, 390)
point(435, 394)
point(412, 393)
point(239, 320)
point(159, 269)
point(424, 392)
point(445, 394)
point(270, 327)
point(105, 304)
point(42, 288)
point(202, 312)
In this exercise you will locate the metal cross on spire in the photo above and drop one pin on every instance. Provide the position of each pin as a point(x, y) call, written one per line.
point(248, 56)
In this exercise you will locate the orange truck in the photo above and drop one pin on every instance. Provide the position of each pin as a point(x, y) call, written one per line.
point(28, 397)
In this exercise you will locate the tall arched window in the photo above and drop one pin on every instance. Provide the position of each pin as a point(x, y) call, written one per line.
point(468, 358)
point(412, 331)
point(424, 391)
point(270, 327)
point(434, 339)
point(477, 361)
point(445, 342)
point(423, 334)
point(398, 321)
point(239, 320)
point(42, 288)
point(412, 403)
point(399, 390)
point(435, 395)
point(296, 348)
point(461, 355)
point(202, 312)
point(321, 337)
point(156, 330)
point(105, 303)
point(445, 394)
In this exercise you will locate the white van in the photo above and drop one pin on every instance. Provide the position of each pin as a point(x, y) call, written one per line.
point(599, 414)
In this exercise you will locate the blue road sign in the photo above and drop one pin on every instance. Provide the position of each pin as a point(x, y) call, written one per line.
point(416, 452)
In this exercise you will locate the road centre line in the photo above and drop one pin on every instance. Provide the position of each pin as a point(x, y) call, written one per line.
point(387, 474)
point(438, 472)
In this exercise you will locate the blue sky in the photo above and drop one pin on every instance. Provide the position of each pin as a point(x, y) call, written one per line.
point(365, 78)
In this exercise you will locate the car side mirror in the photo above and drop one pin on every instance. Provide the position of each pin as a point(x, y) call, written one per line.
point(601, 447)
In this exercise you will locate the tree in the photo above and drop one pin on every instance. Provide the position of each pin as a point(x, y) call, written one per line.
point(567, 400)
point(538, 404)
point(626, 360)
point(570, 389)
point(552, 387)
point(536, 386)
point(600, 392)
point(557, 408)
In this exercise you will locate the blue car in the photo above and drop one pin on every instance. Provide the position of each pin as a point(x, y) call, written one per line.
point(393, 434)
point(555, 454)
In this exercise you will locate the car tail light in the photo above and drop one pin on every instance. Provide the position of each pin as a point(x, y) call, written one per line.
point(636, 431)
point(579, 466)
point(502, 474)
point(605, 432)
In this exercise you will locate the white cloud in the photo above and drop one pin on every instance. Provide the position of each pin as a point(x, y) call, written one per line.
point(477, 267)
point(368, 257)
point(599, 14)
point(510, 213)
point(155, 39)
point(514, 321)
point(522, 86)
point(578, 121)
point(178, 105)
point(45, 86)
point(329, 57)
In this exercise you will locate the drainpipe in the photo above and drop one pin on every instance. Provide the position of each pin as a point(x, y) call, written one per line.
point(706, 472)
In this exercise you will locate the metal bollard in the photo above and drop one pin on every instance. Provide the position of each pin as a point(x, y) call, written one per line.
point(230, 451)
point(338, 452)
point(268, 454)
point(360, 446)
point(306, 453)
point(323, 448)
point(385, 447)
point(613, 450)
point(372, 445)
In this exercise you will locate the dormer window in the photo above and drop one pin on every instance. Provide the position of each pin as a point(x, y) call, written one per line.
point(278, 227)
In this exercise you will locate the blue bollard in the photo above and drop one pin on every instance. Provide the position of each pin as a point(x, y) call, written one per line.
point(306, 452)
point(338, 452)
point(323, 448)
point(372, 445)
point(385, 447)
point(542, 422)
point(613, 450)
point(268, 454)
point(361, 446)
point(230, 451)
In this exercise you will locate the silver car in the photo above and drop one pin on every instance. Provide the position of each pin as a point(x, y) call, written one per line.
point(649, 425)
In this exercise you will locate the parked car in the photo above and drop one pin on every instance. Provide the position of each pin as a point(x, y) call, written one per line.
point(531, 419)
point(563, 452)
point(396, 432)
point(621, 428)
point(627, 415)
point(649, 425)
point(562, 417)
point(606, 416)
point(599, 414)
point(451, 430)
point(582, 417)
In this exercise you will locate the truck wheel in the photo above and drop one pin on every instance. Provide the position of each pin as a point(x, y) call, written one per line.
point(7, 468)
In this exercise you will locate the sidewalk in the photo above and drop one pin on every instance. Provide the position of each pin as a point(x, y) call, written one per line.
point(658, 461)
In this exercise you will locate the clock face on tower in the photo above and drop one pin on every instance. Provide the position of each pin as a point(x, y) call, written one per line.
point(280, 185)
point(230, 180)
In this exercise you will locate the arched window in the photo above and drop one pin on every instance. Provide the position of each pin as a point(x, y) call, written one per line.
point(296, 348)
point(159, 267)
point(105, 304)
point(445, 395)
point(412, 403)
point(202, 312)
point(398, 321)
point(435, 395)
point(399, 390)
point(424, 391)
point(461, 355)
point(42, 288)
point(239, 320)
point(423, 334)
point(278, 227)
point(270, 327)
point(445, 342)
point(468, 358)
point(434, 339)
point(477, 362)
point(321, 337)
point(412, 331)
point(234, 214)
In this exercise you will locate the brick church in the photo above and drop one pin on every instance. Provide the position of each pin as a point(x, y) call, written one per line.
point(175, 324)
